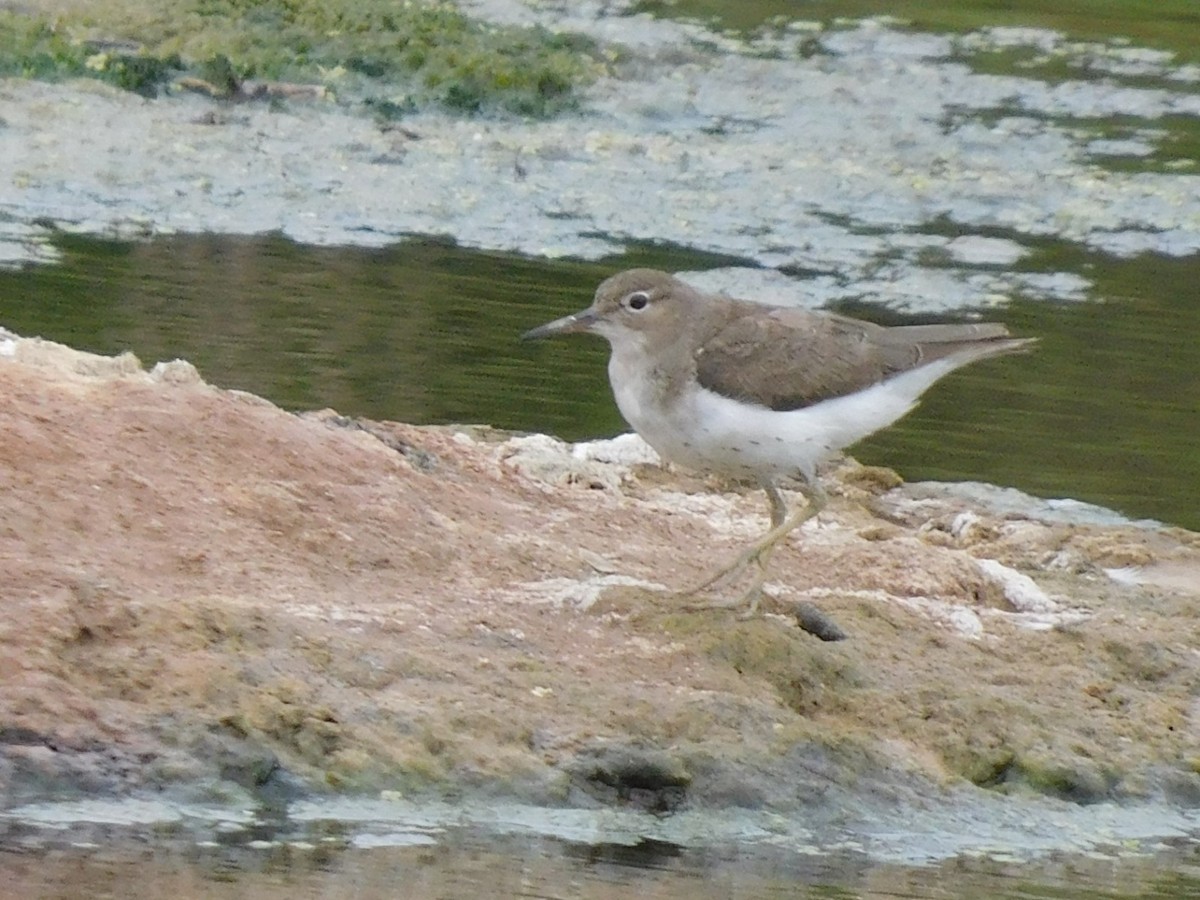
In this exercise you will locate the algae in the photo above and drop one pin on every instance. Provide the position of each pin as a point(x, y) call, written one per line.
point(414, 54)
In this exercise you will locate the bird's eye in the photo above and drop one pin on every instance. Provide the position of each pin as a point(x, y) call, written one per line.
point(638, 300)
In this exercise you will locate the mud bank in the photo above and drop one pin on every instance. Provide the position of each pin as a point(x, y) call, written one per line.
point(210, 599)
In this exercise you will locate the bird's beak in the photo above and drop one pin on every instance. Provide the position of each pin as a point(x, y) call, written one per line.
point(572, 324)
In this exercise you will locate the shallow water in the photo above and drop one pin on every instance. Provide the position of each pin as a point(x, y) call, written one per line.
point(324, 854)
point(1104, 410)
point(556, 871)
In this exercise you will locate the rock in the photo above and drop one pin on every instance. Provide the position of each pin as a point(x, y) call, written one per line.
point(209, 595)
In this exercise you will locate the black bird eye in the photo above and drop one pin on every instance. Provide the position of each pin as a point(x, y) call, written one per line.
point(638, 300)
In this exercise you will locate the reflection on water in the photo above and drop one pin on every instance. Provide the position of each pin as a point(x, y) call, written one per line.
point(467, 864)
point(1105, 410)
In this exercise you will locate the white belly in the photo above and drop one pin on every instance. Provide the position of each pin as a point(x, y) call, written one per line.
point(706, 431)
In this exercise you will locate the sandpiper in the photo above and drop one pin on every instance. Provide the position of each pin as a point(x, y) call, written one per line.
point(747, 390)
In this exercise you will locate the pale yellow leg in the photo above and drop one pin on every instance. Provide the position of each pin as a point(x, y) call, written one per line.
point(760, 551)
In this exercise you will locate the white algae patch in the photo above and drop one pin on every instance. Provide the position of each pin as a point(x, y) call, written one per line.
point(1004, 500)
point(1021, 591)
point(832, 163)
point(625, 449)
point(129, 812)
point(910, 833)
point(23, 243)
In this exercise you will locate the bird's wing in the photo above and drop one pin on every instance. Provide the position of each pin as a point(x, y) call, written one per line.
point(792, 358)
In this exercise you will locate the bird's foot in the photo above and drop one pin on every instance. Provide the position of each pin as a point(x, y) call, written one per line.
point(748, 601)
point(725, 573)
point(759, 554)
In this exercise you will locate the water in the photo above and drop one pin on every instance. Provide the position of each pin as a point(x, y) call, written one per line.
point(329, 865)
point(1169, 24)
point(1103, 411)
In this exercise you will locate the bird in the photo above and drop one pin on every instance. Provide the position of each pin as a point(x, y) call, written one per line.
point(751, 391)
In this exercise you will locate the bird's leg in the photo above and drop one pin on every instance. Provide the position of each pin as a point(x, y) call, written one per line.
point(781, 526)
point(754, 551)
point(778, 504)
point(760, 551)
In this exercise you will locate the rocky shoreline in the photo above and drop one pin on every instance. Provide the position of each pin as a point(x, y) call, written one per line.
point(212, 599)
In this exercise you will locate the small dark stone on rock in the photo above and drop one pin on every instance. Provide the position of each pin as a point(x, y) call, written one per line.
point(810, 618)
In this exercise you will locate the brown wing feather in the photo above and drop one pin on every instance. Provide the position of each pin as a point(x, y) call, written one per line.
point(790, 358)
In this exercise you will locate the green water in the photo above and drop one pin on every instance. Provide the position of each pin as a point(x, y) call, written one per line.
point(1163, 24)
point(1105, 410)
